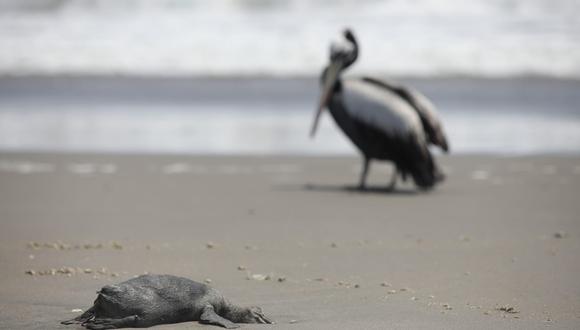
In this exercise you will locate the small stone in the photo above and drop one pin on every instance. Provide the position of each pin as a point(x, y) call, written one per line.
point(207, 280)
point(356, 286)
point(560, 234)
point(210, 245)
point(486, 313)
point(30, 272)
point(392, 291)
point(403, 289)
point(333, 245)
point(320, 279)
point(76, 310)
point(293, 321)
point(242, 267)
point(385, 284)
point(414, 298)
point(117, 246)
point(447, 307)
point(31, 256)
point(258, 277)
point(281, 279)
point(102, 271)
point(88, 271)
point(114, 274)
point(431, 296)
point(464, 238)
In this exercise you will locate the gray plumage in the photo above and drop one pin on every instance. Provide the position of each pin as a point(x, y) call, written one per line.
point(149, 300)
point(385, 120)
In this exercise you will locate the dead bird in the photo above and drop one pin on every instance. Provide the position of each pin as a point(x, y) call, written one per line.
point(149, 300)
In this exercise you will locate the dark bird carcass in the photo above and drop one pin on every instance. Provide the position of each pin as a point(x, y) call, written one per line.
point(385, 120)
point(150, 300)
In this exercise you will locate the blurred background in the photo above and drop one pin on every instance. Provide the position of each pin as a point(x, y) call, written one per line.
point(241, 76)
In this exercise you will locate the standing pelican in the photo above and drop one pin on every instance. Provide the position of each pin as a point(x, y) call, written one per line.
point(386, 121)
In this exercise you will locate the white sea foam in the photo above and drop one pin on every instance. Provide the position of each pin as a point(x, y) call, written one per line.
point(228, 130)
point(289, 37)
point(25, 167)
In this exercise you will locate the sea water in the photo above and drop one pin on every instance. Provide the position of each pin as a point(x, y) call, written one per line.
point(213, 41)
point(289, 37)
point(269, 116)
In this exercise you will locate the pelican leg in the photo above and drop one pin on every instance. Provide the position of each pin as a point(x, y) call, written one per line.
point(393, 182)
point(365, 171)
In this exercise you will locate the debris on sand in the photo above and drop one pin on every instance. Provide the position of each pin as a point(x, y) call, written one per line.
point(447, 307)
point(392, 291)
point(207, 280)
point(241, 267)
point(115, 245)
point(281, 279)
point(60, 245)
point(386, 284)
point(507, 309)
point(356, 286)
point(210, 245)
point(259, 277)
point(560, 234)
point(68, 271)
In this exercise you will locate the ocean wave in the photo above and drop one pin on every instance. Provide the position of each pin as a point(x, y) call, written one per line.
point(288, 38)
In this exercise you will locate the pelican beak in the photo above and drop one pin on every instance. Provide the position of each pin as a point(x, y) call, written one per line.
point(327, 85)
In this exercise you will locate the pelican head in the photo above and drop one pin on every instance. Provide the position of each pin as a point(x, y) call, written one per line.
point(343, 53)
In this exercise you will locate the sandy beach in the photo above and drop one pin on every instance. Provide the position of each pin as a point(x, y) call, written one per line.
point(291, 235)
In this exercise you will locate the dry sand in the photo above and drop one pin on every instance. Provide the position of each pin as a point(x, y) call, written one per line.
point(500, 232)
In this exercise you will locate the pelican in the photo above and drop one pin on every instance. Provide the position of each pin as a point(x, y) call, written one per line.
point(384, 120)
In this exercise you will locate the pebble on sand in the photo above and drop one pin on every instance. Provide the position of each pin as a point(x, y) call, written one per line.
point(385, 284)
point(281, 279)
point(560, 234)
point(447, 307)
point(76, 310)
point(241, 267)
point(258, 277)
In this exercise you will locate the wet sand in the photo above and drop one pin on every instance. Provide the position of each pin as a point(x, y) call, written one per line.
point(500, 232)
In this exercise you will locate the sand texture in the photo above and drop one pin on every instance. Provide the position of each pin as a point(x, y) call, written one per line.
point(496, 246)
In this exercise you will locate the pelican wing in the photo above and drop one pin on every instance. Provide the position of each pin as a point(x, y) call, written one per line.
point(424, 108)
point(380, 108)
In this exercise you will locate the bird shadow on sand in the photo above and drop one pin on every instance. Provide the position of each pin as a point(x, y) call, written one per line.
point(351, 189)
